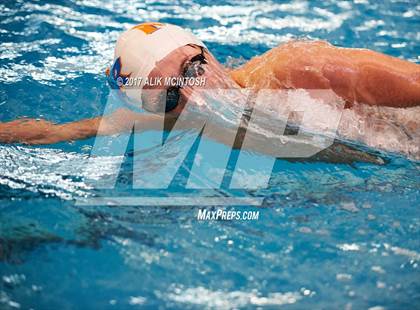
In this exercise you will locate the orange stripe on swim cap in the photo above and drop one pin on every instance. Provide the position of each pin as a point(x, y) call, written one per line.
point(148, 28)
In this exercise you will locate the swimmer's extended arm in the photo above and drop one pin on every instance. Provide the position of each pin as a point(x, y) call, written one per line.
point(31, 131)
point(35, 132)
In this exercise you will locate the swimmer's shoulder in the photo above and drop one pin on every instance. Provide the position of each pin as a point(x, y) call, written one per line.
point(272, 69)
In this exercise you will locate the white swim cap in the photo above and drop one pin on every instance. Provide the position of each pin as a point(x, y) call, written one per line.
point(139, 49)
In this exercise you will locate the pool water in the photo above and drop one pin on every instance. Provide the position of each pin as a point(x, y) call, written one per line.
point(329, 235)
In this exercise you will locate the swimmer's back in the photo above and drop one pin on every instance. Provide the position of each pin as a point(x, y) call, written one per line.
point(355, 74)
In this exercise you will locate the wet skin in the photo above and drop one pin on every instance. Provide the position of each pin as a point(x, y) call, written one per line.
point(357, 75)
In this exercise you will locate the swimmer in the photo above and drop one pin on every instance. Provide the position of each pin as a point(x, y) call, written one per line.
point(367, 81)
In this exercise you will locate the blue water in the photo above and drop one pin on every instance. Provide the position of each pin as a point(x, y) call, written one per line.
point(329, 235)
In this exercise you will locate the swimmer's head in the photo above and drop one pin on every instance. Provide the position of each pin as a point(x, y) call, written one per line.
point(158, 66)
